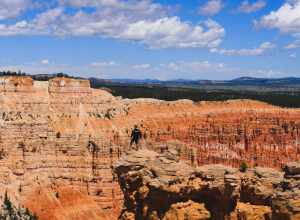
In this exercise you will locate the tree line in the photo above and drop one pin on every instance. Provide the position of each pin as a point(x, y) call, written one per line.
point(38, 77)
point(279, 98)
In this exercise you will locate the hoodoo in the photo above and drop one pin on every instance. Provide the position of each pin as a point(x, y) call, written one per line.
point(60, 139)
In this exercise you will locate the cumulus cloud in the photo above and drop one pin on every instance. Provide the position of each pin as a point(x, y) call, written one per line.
point(286, 18)
point(247, 7)
point(211, 7)
point(141, 66)
point(293, 45)
point(85, 3)
point(12, 8)
point(45, 62)
point(136, 7)
point(196, 67)
point(269, 73)
point(262, 49)
point(104, 64)
point(140, 21)
point(172, 32)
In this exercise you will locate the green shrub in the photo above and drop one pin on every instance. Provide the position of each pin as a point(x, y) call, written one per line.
point(243, 167)
point(10, 211)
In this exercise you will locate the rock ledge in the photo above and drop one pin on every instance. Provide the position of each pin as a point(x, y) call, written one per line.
point(158, 186)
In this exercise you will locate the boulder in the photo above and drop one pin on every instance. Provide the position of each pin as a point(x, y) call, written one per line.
point(292, 168)
point(187, 211)
point(245, 211)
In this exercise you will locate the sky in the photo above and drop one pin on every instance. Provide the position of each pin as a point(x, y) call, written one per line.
point(152, 39)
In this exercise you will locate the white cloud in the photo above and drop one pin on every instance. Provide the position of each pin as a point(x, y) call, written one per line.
point(46, 23)
point(137, 7)
point(196, 67)
point(211, 7)
point(269, 73)
point(45, 62)
point(293, 45)
point(104, 64)
point(247, 7)
point(262, 49)
point(172, 32)
point(286, 18)
point(293, 55)
point(85, 3)
point(141, 66)
point(12, 8)
point(140, 21)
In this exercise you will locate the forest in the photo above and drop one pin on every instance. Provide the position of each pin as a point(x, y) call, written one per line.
point(279, 97)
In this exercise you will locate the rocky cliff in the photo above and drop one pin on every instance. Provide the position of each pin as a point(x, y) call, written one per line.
point(59, 139)
point(159, 186)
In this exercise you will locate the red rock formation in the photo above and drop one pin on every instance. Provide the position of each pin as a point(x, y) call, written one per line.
point(158, 186)
point(65, 133)
point(229, 132)
point(63, 203)
point(45, 139)
point(15, 84)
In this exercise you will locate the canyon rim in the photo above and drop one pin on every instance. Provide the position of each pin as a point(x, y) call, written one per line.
point(149, 110)
point(60, 140)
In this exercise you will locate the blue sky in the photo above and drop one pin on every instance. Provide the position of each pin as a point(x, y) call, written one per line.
point(162, 39)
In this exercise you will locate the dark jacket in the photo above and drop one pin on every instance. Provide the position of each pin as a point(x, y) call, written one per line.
point(136, 134)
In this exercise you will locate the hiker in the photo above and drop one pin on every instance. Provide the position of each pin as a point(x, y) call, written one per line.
point(136, 135)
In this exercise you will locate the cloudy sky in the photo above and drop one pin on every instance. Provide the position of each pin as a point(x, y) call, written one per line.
point(162, 39)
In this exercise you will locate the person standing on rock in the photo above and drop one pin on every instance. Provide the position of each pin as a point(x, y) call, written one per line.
point(136, 135)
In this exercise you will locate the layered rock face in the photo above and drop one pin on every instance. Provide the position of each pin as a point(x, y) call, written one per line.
point(62, 136)
point(50, 162)
point(159, 186)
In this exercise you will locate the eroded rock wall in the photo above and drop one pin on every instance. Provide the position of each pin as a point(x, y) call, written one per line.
point(45, 143)
point(62, 133)
point(159, 186)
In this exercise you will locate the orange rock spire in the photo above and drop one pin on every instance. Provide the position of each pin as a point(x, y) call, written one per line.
point(62, 133)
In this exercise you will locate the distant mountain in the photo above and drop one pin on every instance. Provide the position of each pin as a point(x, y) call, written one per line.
point(136, 81)
point(242, 81)
point(266, 81)
point(95, 81)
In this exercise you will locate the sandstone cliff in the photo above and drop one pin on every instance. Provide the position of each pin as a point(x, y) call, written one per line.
point(59, 139)
point(159, 186)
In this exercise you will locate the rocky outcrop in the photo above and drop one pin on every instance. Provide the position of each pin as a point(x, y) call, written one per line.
point(16, 84)
point(66, 85)
point(251, 212)
point(63, 134)
point(158, 186)
point(187, 210)
point(47, 142)
point(64, 203)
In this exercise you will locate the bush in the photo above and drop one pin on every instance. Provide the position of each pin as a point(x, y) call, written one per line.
point(9, 211)
point(243, 167)
point(58, 135)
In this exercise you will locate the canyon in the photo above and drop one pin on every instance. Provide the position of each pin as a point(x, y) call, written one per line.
point(60, 140)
